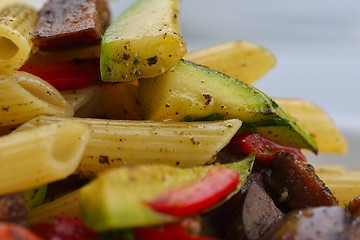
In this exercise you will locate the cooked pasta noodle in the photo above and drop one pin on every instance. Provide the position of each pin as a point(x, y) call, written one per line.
point(344, 183)
point(17, 22)
point(85, 101)
point(24, 96)
point(116, 143)
point(317, 122)
point(41, 155)
point(240, 59)
point(120, 101)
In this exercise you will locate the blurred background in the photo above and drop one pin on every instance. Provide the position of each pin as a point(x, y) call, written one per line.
point(317, 45)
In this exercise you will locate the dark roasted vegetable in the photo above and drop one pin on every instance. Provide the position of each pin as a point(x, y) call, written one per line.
point(64, 23)
point(12, 208)
point(296, 184)
point(354, 206)
point(319, 223)
point(258, 212)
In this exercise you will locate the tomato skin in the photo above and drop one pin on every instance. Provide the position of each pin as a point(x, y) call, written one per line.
point(74, 74)
point(264, 149)
point(64, 228)
point(173, 231)
point(193, 199)
point(12, 231)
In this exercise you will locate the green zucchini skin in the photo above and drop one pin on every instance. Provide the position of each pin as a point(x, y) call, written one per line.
point(116, 198)
point(193, 92)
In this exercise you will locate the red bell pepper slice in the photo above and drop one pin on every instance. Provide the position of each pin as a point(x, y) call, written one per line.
point(77, 73)
point(64, 228)
point(199, 196)
point(265, 150)
point(12, 231)
point(173, 231)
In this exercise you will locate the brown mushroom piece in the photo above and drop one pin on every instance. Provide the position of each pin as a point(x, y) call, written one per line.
point(328, 222)
point(247, 215)
point(258, 212)
point(296, 184)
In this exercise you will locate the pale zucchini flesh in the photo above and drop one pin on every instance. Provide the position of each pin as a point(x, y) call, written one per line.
point(144, 41)
point(193, 92)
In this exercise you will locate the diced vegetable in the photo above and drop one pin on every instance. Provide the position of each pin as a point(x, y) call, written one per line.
point(174, 231)
point(197, 197)
point(78, 73)
point(264, 149)
point(34, 197)
point(192, 92)
point(11, 231)
point(144, 41)
point(64, 23)
point(122, 194)
point(319, 124)
point(64, 228)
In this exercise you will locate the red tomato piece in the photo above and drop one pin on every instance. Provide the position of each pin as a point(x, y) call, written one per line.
point(74, 74)
point(173, 231)
point(264, 149)
point(193, 199)
point(12, 231)
point(64, 228)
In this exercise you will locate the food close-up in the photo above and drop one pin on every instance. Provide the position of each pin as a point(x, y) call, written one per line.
point(113, 128)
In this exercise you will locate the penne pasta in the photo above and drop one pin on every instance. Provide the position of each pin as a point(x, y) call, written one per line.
point(84, 101)
point(24, 96)
point(67, 205)
point(120, 101)
point(328, 137)
point(41, 155)
point(344, 183)
point(115, 143)
point(242, 60)
point(17, 23)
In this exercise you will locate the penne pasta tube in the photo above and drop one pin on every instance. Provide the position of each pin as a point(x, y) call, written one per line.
point(24, 96)
point(115, 143)
point(126, 107)
point(328, 137)
point(17, 23)
point(67, 205)
point(242, 60)
point(84, 101)
point(41, 155)
point(344, 183)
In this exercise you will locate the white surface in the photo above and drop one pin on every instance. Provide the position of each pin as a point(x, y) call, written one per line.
point(317, 44)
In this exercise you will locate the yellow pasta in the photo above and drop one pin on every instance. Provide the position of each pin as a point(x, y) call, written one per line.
point(66, 205)
point(85, 101)
point(120, 101)
point(242, 60)
point(317, 122)
point(17, 22)
point(41, 155)
point(116, 143)
point(24, 96)
point(344, 183)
